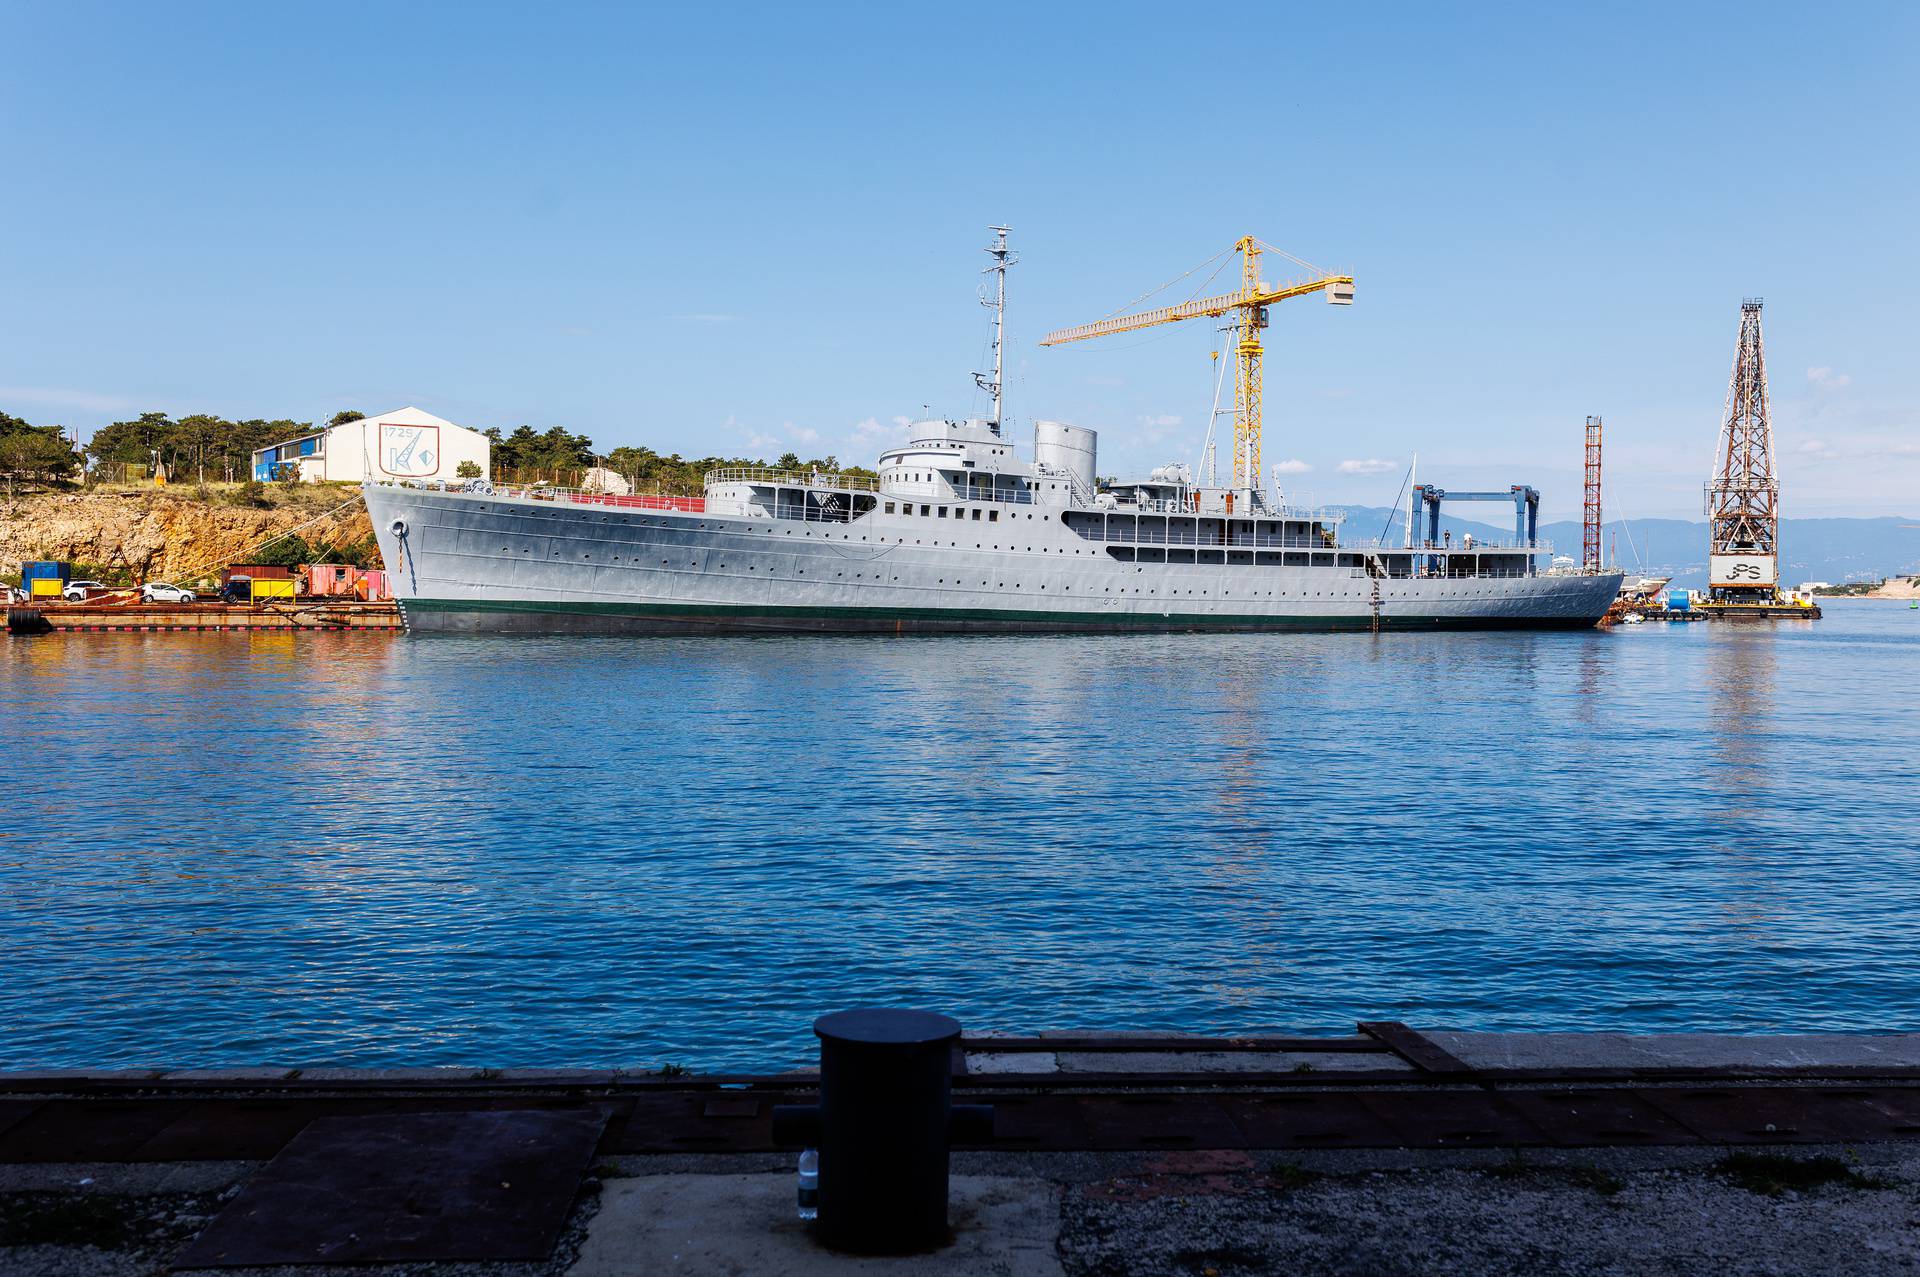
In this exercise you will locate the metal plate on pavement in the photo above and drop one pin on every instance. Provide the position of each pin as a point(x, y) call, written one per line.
point(393, 1188)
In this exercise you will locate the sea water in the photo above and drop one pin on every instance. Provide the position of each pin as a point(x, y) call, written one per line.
point(371, 849)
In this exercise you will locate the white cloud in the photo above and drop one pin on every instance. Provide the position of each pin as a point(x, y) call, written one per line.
point(762, 442)
point(873, 428)
point(1818, 450)
point(802, 434)
point(1292, 465)
point(1372, 465)
point(1164, 419)
point(1827, 379)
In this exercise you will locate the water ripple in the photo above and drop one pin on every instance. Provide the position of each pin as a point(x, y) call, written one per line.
point(351, 849)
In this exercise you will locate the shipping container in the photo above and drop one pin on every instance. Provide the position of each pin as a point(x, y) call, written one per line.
point(1679, 600)
point(331, 579)
point(272, 589)
point(257, 571)
point(36, 569)
point(372, 586)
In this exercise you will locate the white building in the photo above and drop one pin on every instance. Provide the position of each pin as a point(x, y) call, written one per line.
point(406, 444)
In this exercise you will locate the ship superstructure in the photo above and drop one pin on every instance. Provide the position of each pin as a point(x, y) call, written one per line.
point(957, 533)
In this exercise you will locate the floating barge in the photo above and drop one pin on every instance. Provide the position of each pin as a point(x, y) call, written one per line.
point(1759, 611)
point(1728, 612)
point(277, 615)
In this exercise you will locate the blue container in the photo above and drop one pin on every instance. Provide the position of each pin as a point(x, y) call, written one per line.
point(45, 569)
point(1678, 600)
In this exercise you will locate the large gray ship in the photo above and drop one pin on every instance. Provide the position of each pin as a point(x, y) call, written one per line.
point(958, 533)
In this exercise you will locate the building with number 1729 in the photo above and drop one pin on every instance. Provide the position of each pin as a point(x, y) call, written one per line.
point(405, 444)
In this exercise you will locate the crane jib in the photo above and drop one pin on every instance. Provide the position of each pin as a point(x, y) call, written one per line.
point(1251, 302)
point(1339, 290)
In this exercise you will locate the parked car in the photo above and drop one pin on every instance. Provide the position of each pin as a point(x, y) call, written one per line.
point(238, 589)
point(161, 592)
point(81, 591)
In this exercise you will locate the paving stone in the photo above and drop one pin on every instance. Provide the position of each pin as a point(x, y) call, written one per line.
point(1227, 1062)
point(87, 1130)
point(452, 1074)
point(236, 1076)
point(740, 1224)
point(51, 1078)
point(1012, 1062)
point(559, 1077)
point(1680, 1050)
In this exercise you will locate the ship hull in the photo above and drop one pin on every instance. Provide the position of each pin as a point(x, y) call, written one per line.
point(471, 563)
point(469, 616)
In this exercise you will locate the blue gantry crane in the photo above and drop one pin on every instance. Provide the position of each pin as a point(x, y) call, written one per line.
point(1526, 509)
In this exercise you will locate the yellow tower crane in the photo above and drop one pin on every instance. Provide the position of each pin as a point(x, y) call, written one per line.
point(1251, 301)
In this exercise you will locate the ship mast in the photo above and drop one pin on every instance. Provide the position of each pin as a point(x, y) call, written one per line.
point(996, 301)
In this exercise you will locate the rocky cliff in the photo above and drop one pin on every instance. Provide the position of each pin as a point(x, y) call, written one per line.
point(160, 535)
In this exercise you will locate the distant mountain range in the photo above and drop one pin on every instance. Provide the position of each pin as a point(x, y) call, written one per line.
point(1814, 549)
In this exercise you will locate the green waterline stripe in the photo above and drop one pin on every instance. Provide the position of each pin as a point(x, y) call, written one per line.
point(709, 613)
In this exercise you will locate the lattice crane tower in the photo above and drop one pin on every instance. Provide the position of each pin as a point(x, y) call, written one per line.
point(1743, 497)
point(1590, 515)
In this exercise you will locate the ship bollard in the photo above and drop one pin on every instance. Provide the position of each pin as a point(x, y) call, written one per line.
point(884, 1127)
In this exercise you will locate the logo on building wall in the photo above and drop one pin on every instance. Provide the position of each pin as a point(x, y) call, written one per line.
point(410, 452)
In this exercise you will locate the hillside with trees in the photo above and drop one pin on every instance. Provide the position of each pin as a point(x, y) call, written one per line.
point(98, 507)
point(677, 476)
point(199, 447)
point(34, 454)
point(204, 448)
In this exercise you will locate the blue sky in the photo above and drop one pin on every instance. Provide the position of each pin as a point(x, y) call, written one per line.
point(743, 230)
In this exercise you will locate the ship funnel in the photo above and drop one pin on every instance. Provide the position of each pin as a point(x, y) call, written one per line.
point(1058, 446)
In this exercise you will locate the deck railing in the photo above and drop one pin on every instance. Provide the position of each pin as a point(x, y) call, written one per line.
point(568, 496)
point(1119, 530)
point(1185, 508)
point(792, 478)
point(579, 496)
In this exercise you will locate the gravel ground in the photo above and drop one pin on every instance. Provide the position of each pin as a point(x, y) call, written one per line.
point(1219, 1214)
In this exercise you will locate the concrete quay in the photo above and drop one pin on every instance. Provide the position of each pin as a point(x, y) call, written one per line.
point(1390, 1151)
point(183, 618)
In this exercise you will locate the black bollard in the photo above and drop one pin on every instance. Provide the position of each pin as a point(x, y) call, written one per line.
point(883, 1127)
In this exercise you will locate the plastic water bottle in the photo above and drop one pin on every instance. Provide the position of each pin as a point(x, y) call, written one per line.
point(809, 1184)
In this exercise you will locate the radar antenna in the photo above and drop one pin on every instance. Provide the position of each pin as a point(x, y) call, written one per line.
point(995, 299)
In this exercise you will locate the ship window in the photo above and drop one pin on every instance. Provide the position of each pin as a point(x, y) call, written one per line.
point(943, 512)
point(993, 516)
point(889, 507)
point(976, 516)
point(925, 510)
